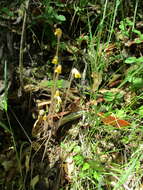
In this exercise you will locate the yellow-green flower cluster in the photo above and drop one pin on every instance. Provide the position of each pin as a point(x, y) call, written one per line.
point(58, 32)
point(55, 60)
point(76, 73)
point(58, 69)
point(57, 97)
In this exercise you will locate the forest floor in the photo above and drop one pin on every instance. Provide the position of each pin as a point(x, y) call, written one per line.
point(71, 95)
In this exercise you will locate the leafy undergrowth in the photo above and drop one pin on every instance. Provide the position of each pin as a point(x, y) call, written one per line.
point(71, 108)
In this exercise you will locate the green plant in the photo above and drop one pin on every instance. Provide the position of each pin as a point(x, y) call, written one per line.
point(134, 76)
point(91, 168)
point(93, 153)
point(56, 101)
point(132, 169)
point(50, 13)
point(97, 44)
point(3, 102)
point(6, 11)
point(125, 27)
point(139, 38)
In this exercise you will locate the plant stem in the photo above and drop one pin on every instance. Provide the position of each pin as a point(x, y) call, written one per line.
point(22, 47)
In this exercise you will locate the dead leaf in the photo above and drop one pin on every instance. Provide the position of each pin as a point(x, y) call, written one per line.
point(74, 106)
point(69, 167)
point(110, 49)
point(114, 78)
point(113, 120)
point(115, 83)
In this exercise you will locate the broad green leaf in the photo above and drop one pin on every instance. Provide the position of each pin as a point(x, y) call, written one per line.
point(141, 37)
point(60, 17)
point(137, 82)
point(139, 60)
point(131, 60)
point(138, 41)
point(59, 83)
point(137, 32)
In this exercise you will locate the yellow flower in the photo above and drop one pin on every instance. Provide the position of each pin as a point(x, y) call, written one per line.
point(57, 93)
point(58, 32)
point(55, 60)
point(57, 97)
point(59, 100)
point(76, 73)
point(44, 117)
point(58, 69)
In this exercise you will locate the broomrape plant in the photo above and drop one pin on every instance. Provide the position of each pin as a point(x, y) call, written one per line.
point(55, 93)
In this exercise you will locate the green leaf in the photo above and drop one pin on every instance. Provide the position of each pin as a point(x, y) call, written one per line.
point(95, 165)
point(137, 32)
point(34, 181)
point(120, 113)
point(27, 160)
point(139, 60)
point(122, 26)
point(118, 96)
point(129, 78)
point(140, 111)
point(77, 149)
point(141, 37)
point(5, 127)
point(96, 176)
point(129, 22)
point(7, 165)
point(60, 17)
point(79, 160)
point(3, 103)
point(109, 96)
point(59, 83)
point(7, 11)
point(131, 60)
point(82, 174)
point(138, 41)
point(86, 166)
point(137, 82)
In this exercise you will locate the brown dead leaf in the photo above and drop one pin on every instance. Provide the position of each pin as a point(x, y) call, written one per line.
point(139, 24)
point(113, 120)
point(110, 49)
point(115, 83)
point(68, 167)
point(74, 106)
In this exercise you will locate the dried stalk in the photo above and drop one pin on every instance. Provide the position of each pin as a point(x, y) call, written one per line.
point(22, 47)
